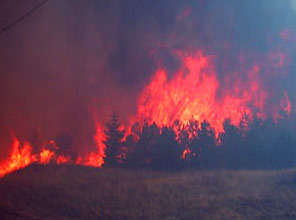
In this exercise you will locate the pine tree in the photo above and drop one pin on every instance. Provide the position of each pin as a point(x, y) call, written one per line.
point(166, 153)
point(141, 156)
point(203, 147)
point(113, 141)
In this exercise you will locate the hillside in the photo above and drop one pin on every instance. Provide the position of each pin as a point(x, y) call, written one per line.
point(77, 192)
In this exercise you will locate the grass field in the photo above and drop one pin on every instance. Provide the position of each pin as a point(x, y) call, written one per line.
point(76, 192)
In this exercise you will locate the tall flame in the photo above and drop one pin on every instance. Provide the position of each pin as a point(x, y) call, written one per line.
point(193, 93)
point(19, 158)
point(97, 159)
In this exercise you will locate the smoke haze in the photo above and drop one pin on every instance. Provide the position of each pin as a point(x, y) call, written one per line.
point(72, 61)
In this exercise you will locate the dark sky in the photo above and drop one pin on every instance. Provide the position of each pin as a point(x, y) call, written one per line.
point(72, 59)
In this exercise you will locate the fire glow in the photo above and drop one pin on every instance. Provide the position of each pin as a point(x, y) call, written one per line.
point(22, 156)
point(191, 93)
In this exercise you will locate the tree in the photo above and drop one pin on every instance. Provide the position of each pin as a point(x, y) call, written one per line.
point(231, 143)
point(146, 136)
point(203, 147)
point(166, 153)
point(187, 139)
point(113, 142)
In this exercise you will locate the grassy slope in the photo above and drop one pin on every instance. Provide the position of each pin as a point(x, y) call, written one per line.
point(74, 192)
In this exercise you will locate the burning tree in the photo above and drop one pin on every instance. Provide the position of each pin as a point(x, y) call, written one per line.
point(180, 65)
point(114, 135)
point(155, 148)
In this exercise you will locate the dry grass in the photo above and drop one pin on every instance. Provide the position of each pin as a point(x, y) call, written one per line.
point(75, 192)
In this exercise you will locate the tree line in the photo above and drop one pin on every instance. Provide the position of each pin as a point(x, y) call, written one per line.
point(253, 144)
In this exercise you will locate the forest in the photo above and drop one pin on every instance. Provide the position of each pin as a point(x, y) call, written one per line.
point(253, 144)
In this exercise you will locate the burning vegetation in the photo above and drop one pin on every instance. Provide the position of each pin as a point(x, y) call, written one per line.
point(189, 93)
point(181, 122)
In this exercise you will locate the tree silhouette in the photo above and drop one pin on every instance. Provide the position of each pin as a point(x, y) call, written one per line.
point(146, 135)
point(255, 143)
point(208, 148)
point(231, 145)
point(166, 153)
point(113, 141)
point(188, 141)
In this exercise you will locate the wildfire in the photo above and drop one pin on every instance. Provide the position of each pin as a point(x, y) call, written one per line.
point(192, 93)
point(22, 156)
point(19, 158)
point(97, 160)
point(45, 156)
point(286, 103)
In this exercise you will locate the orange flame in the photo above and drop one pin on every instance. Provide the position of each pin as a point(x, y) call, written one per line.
point(192, 94)
point(62, 159)
point(185, 153)
point(286, 103)
point(19, 158)
point(45, 156)
point(97, 160)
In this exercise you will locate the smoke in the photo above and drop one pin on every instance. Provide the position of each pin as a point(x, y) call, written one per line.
point(293, 4)
point(74, 60)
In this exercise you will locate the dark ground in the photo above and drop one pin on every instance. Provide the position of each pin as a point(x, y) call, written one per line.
point(76, 192)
